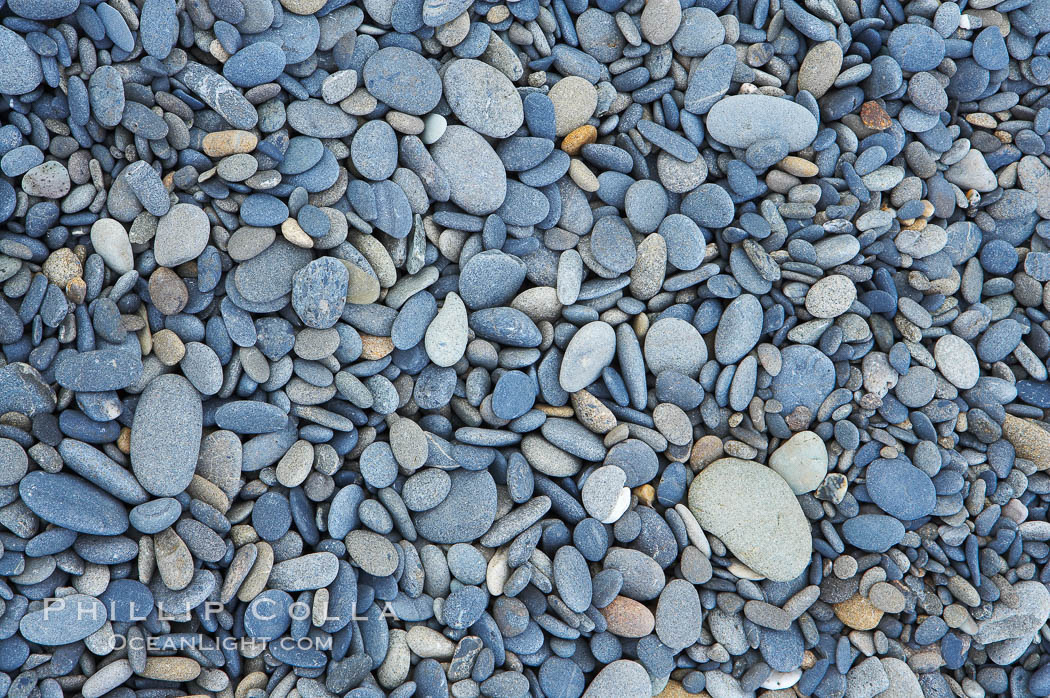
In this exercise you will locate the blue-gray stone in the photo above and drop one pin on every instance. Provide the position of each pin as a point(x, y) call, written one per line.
point(98, 370)
point(900, 489)
point(72, 502)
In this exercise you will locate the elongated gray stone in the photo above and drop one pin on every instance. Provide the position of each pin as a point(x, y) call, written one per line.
point(72, 502)
point(166, 435)
point(217, 92)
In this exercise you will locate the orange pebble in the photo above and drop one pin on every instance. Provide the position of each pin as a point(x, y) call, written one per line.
point(577, 138)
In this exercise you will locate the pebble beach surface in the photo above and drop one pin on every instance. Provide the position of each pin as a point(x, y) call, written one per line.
point(552, 348)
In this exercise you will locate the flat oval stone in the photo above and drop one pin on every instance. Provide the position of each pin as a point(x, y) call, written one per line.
point(268, 615)
point(402, 79)
point(572, 578)
point(672, 344)
point(900, 489)
point(158, 27)
point(311, 571)
point(217, 92)
point(372, 552)
point(480, 184)
point(106, 94)
point(874, 533)
point(64, 620)
point(806, 377)
point(755, 513)
point(255, 64)
point(622, 677)
point(98, 370)
point(155, 515)
point(589, 351)
point(250, 417)
point(513, 396)
point(679, 615)
point(739, 329)
point(483, 98)
point(374, 150)
point(740, 120)
point(182, 234)
point(312, 117)
point(956, 361)
point(466, 513)
point(72, 502)
point(166, 435)
point(490, 278)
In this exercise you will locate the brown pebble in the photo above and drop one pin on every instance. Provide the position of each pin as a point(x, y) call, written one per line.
point(76, 290)
point(167, 291)
point(592, 413)
point(706, 450)
point(579, 137)
point(628, 618)
point(858, 613)
point(874, 116)
point(645, 493)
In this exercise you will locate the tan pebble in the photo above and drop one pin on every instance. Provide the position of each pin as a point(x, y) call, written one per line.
point(124, 440)
point(303, 7)
point(404, 123)
point(800, 167)
point(168, 347)
point(582, 176)
point(177, 669)
point(209, 493)
point(253, 681)
point(645, 493)
point(243, 534)
point(363, 287)
point(242, 563)
point(579, 137)
point(553, 411)
point(886, 597)
point(1031, 441)
point(497, 14)
point(62, 266)
point(673, 689)
point(374, 348)
point(858, 613)
point(981, 120)
point(256, 580)
point(592, 413)
point(359, 103)
point(293, 233)
point(628, 618)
